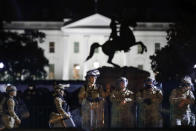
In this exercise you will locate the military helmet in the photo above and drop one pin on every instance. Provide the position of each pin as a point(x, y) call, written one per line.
point(186, 81)
point(10, 88)
point(123, 79)
point(149, 82)
point(93, 73)
point(59, 86)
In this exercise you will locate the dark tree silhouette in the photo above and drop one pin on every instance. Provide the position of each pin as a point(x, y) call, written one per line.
point(23, 59)
point(177, 58)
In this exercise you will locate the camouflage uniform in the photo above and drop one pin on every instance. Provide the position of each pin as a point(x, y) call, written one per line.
point(180, 102)
point(60, 115)
point(123, 114)
point(91, 99)
point(92, 106)
point(149, 101)
point(9, 117)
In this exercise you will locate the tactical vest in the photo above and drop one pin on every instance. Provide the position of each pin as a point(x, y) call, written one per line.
point(5, 105)
point(93, 93)
point(65, 106)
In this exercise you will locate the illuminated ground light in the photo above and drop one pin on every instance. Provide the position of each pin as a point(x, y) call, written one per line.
point(77, 67)
point(1, 65)
point(96, 65)
point(194, 66)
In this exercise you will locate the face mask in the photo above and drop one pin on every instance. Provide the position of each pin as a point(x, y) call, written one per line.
point(30, 87)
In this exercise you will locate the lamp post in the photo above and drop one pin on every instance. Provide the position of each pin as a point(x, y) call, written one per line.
point(1, 65)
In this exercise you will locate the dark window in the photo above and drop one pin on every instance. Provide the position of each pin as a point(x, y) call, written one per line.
point(51, 47)
point(76, 47)
point(140, 67)
point(139, 51)
point(157, 46)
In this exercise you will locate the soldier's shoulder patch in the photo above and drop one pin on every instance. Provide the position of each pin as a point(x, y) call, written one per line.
point(57, 98)
point(10, 101)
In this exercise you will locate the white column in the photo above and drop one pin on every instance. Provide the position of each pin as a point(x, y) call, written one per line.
point(124, 59)
point(85, 46)
point(66, 58)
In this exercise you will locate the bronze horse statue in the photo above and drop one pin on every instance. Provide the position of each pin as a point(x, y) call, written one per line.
point(118, 43)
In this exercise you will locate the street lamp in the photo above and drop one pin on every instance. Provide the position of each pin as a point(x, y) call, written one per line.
point(194, 66)
point(1, 65)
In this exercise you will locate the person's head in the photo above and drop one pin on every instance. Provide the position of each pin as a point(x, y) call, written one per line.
point(11, 90)
point(122, 82)
point(92, 75)
point(186, 83)
point(149, 83)
point(31, 87)
point(59, 89)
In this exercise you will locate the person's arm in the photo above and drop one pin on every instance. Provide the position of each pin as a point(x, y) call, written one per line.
point(106, 93)
point(11, 106)
point(172, 98)
point(190, 99)
point(139, 99)
point(130, 97)
point(59, 107)
point(112, 97)
point(82, 94)
point(101, 92)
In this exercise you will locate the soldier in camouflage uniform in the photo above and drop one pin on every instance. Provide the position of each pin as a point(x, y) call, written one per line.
point(180, 101)
point(90, 97)
point(149, 100)
point(123, 109)
point(9, 118)
point(60, 116)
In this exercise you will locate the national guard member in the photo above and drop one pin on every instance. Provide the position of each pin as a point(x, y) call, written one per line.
point(90, 97)
point(149, 100)
point(181, 99)
point(107, 105)
point(9, 118)
point(60, 117)
point(123, 109)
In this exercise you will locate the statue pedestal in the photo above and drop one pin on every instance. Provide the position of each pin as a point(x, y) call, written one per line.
point(136, 77)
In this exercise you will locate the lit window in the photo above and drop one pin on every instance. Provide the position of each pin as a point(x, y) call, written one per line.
point(157, 47)
point(97, 50)
point(76, 47)
point(140, 67)
point(51, 71)
point(51, 47)
point(139, 51)
point(76, 70)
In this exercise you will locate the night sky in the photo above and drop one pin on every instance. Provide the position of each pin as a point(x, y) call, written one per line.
point(56, 10)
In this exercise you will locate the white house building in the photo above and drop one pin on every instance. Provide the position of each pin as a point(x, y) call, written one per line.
point(67, 45)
